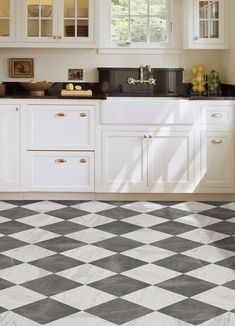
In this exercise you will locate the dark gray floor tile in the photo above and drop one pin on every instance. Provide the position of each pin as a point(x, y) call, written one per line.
point(45, 311)
point(60, 244)
point(17, 212)
point(181, 263)
point(64, 227)
point(118, 244)
point(8, 243)
point(118, 263)
point(230, 285)
point(6, 262)
point(219, 212)
point(116, 202)
point(165, 202)
point(227, 244)
point(51, 285)
point(118, 227)
point(118, 213)
point(11, 227)
point(192, 311)
point(118, 285)
point(176, 244)
point(172, 227)
point(56, 263)
point(186, 285)
point(222, 227)
point(4, 284)
point(22, 202)
point(119, 311)
point(169, 213)
point(2, 310)
point(69, 202)
point(228, 262)
point(67, 213)
point(215, 203)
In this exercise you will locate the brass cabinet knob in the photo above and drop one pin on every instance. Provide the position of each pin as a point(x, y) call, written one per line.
point(83, 160)
point(83, 114)
point(60, 160)
point(60, 114)
point(217, 141)
point(216, 115)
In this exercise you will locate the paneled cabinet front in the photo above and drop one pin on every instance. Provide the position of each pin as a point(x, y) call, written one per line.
point(60, 127)
point(9, 147)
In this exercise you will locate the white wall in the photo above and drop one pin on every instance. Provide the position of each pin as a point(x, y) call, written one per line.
point(52, 64)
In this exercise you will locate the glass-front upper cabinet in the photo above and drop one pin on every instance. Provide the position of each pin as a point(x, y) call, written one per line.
point(57, 21)
point(206, 23)
point(7, 20)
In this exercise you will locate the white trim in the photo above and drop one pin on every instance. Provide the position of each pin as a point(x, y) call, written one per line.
point(143, 50)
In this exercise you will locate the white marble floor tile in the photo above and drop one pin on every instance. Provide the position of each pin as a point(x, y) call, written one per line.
point(17, 296)
point(227, 319)
point(22, 273)
point(229, 206)
point(203, 236)
point(40, 220)
point(209, 253)
point(28, 253)
point(9, 318)
point(143, 206)
point(193, 206)
point(232, 220)
point(220, 296)
point(90, 235)
point(148, 253)
point(86, 273)
point(94, 206)
point(214, 273)
point(83, 297)
point(4, 206)
point(4, 219)
point(81, 318)
point(146, 235)
point(88, 253)
point(151, 274)
point(92, 220)
point(198, 220)
point(34, 235)
point(145, 220)
point(153, 297)
point(156, 319)
point(44, 206)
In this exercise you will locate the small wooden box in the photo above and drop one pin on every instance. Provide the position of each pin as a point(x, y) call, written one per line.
point(2, 90)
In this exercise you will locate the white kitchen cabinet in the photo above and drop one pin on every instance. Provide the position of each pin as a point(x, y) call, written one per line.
point(60, 127)
point(58, 22)
point(146, 161)
point(61, 171)
point(217, 165)
point(205, 24)
point(7, 18)
point(9, 147)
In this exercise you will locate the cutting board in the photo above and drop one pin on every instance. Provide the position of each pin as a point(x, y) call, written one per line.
point(84, 92)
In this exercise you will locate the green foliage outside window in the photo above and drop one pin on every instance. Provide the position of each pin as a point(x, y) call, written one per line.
point(139, 21)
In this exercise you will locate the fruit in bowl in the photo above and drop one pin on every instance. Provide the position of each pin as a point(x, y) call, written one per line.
point(198, 79)
point(37, 88)
point(214, 83)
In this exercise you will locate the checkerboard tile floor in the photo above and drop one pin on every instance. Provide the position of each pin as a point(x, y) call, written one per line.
point(104, 263)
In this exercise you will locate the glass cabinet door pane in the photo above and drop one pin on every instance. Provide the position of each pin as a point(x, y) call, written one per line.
point(203, 9)
point(214, 9)
point(214, 29)
point(204, 29)
point(69, 28)
point(82, 8)
point(33, 28)
point(69, 8)
point(4, 27)
point(5, 8)
point(46, 28)
point(82, 28)
point(40, 17)
point(5, 18)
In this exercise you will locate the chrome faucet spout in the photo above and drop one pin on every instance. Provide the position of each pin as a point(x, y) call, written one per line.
point(141, 80)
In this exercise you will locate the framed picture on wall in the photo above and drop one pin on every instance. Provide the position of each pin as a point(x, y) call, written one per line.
point(21, 67)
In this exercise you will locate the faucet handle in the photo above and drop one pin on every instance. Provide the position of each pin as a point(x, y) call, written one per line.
point(149, 68)
point(152, 81)
point(131, 81)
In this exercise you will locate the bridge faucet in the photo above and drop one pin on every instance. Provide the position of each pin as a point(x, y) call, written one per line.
point(150, 80)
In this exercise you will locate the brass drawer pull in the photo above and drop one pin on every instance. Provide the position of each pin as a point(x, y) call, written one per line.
point(60, 160)
point(217, 141)
point(60, 114)
point(83, 114)
point(83, 160)
point(216, 115)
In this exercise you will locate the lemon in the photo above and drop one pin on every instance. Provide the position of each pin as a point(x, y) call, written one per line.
point(69, 87)
point(201, 68)
point(194, 70)
point(78, 87)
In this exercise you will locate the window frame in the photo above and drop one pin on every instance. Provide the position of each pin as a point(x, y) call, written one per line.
point(106, 45)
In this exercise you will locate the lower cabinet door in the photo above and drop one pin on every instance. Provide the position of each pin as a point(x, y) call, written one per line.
point(170, 161)
point(61, 171)
point(216, 160)
point(123, 162)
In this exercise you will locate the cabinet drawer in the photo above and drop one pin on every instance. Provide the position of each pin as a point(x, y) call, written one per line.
point(61, 171)
point(146, 111)
point(217, 114)
point(60, 127)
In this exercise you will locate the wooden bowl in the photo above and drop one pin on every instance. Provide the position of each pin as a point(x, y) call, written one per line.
point(37, 88)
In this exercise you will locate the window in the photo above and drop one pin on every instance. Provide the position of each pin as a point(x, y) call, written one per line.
point(139, 21)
